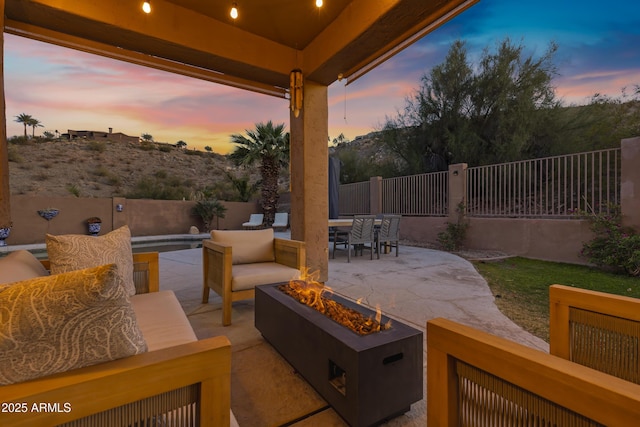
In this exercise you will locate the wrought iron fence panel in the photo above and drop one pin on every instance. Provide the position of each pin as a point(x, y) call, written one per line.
point(353, 199)
point(559, 186)
point(416, 195)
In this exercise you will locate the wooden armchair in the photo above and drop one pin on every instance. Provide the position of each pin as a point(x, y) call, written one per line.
point(235, 262)
point(596, 329)
point(478, 379)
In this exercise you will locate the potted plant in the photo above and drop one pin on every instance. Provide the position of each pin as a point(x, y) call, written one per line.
point(48, 213)
point(4, 233)
point(209, 209)
point(94, 223)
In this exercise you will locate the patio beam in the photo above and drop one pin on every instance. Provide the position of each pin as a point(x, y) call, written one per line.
point(170, 32)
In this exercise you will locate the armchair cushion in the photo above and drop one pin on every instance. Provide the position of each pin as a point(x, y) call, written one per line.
point(248, 276)
point(75, 252)
point(61, 322)
point(20, 265)
point(249, 246)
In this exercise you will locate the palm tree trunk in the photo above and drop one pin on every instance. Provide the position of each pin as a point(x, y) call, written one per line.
point(270, 196)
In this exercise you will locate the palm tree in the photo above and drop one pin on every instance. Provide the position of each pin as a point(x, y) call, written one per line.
point(25, 119)
point(34, 123)
point(209, 209)
point(270, 146)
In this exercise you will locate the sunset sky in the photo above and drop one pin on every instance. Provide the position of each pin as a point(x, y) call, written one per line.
point(66, 89)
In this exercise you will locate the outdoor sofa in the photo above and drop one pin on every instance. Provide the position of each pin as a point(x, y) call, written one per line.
point(161, 374)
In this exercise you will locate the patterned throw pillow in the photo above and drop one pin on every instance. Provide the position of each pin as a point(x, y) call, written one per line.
point(74, 252)
point(61, 322)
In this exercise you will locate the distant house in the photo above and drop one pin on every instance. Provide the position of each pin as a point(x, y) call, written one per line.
point(100, 135)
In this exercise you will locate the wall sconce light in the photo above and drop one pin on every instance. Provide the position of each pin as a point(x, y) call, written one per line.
point(119, 207)
point(455, 173)
point(234, 10)
point(319, 3)
point(295, 92)
point(146, 6)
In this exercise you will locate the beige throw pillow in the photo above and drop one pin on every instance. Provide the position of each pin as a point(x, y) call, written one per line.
point(74, 252)
point(20, 265)
point(61, 322)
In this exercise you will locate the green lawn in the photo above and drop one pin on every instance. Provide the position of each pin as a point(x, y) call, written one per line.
point(521, 287)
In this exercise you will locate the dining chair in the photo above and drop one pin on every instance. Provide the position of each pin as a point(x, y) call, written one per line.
point(362, 232)
point(388, 233)
point(339, 237)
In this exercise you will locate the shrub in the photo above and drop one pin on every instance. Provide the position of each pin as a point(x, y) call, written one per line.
point(207, 210)
point(614, 246)
point(73, 189)
point(452, 238)
point(14, 156)
point(98, 146)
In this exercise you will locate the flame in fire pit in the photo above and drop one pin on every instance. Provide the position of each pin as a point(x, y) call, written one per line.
point(313, 294)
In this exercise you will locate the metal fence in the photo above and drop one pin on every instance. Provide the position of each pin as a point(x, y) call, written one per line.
point(550, 187)
point(353, 199)
point(559, 186)
point(416, 195)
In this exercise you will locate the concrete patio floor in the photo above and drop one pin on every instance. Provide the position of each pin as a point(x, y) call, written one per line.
point(419, 285)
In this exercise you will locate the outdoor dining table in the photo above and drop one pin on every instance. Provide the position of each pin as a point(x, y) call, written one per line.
point(347, 222)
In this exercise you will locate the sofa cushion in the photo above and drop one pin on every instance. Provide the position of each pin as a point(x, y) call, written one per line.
point(248, 246)
point(20, 265)
point(162, 320)
point(75, 252)
point(248, 276)
point(61, 322)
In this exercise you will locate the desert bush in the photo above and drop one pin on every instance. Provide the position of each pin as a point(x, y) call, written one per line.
point(14, 156)
point(159, 189)
point(42, 176)
point(99, 146)
point(114, 180)
point(165, 148)
point(453, 237)
point(73, 189)
point(614, 246)
point(101, 171)
point(194, 153)
point(147, 146)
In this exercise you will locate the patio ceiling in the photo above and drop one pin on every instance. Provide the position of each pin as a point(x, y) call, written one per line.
point(257, 51)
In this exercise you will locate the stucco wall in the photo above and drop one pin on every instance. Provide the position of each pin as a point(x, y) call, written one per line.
point(144, 217)
point(545, 239)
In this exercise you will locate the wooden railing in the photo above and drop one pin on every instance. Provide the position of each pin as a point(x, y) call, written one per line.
point(596, 329)
point(477, 379)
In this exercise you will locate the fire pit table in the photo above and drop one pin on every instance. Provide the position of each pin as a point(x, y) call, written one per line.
point(367, 379)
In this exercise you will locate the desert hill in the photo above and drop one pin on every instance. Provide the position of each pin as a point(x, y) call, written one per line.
point(109, 169)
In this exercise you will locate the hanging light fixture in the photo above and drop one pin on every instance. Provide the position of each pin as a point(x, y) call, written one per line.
point(234, 10)
point(146, 6)
point(295, 92)
point(319, 3)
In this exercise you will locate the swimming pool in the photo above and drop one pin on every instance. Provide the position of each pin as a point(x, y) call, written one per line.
point(167, 243)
